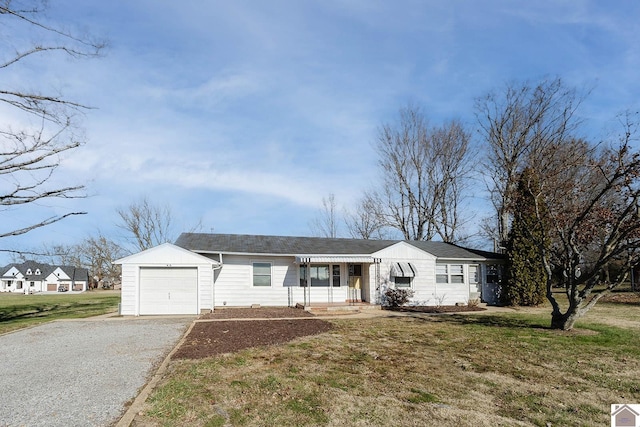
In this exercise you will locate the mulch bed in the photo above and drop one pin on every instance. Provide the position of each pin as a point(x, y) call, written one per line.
point(211, 338)
point(228, 334)
point(631, 298)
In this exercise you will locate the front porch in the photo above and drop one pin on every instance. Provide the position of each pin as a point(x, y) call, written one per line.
point(331, 283)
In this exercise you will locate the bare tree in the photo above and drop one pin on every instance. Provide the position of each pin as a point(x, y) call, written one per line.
point(325, 224)
point(97, 255)
point(425, 172)
point(591, 203)
point(60, 254)
point(363, 222)
point(43, 127)
point(449, 174)
point(147, 224)
point(519, 124)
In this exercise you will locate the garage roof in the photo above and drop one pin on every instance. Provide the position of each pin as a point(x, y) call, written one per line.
point(166, 255)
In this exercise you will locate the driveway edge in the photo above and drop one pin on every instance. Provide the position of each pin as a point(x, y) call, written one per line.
point(141, 398)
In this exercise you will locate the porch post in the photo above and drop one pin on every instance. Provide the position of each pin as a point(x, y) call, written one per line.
point(330, 283)
point(378, 295)
point(307, 300)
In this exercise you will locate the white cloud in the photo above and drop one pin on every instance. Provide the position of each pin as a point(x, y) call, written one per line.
point(279, 102)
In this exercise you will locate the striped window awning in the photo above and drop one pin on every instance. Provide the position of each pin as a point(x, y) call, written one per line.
point(403, 269)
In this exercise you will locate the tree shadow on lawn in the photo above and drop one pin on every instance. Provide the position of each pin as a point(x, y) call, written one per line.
point(21, 312)
point(511, 321)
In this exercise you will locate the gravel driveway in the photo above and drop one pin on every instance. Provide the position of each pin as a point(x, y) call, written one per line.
point(80, 373)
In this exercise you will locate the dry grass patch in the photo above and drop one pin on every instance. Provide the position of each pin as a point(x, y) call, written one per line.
point(460, 370)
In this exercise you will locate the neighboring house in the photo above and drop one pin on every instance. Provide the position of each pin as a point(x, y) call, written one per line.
point(30, 277)
point(204, 271)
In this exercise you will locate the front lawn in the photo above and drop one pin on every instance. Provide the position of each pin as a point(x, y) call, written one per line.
point(490, 369)
point(19, 310)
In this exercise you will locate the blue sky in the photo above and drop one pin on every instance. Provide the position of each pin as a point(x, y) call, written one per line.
point(244, 114)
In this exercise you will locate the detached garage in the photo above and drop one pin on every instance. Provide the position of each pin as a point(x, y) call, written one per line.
point(167, 279)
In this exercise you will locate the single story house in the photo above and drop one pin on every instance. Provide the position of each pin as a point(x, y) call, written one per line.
point(201, 272)
point(31, 276)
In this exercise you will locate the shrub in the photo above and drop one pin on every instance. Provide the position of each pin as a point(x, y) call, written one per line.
point(397, 297)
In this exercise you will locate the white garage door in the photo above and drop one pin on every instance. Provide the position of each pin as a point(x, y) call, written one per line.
point(168, 291)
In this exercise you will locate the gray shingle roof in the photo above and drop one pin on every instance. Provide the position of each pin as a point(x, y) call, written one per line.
point(285, 245)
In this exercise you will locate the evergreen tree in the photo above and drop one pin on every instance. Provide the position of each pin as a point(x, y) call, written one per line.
point(525, 282)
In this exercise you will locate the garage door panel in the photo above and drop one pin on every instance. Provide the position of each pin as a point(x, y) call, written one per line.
point(168, 291)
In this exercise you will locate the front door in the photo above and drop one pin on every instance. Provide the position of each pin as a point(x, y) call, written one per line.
point(491, 287)
point(475, 284)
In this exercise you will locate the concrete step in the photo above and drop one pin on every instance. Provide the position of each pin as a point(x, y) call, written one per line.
point(338, 308)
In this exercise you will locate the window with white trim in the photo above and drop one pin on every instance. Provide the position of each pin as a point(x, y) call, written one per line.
point(402, 282)
point(261, 274)
point(449, 273)
point(319, 275)
point(38, 272)
point(336, 276)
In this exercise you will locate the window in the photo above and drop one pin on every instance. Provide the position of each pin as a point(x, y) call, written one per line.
point(355, 270)
point(449, 273)
point(261, 274)
point(29, 272)
point(32, 284)
point(336, 276)
point(19, 285)
point(402, 282)
point(494, 273)
point(319, 275)
point(402, 274)
point(38, 272)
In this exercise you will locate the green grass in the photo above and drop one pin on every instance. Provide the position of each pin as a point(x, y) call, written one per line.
point(499, 369)
point(20, 311)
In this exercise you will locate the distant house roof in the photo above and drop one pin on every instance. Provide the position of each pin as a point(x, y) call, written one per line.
point(286, 245)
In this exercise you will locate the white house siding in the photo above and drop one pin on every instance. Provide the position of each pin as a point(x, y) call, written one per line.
point(426, 290)
point(454, 293)
point(129, 292)
point(205, 285)
point(233, 285)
